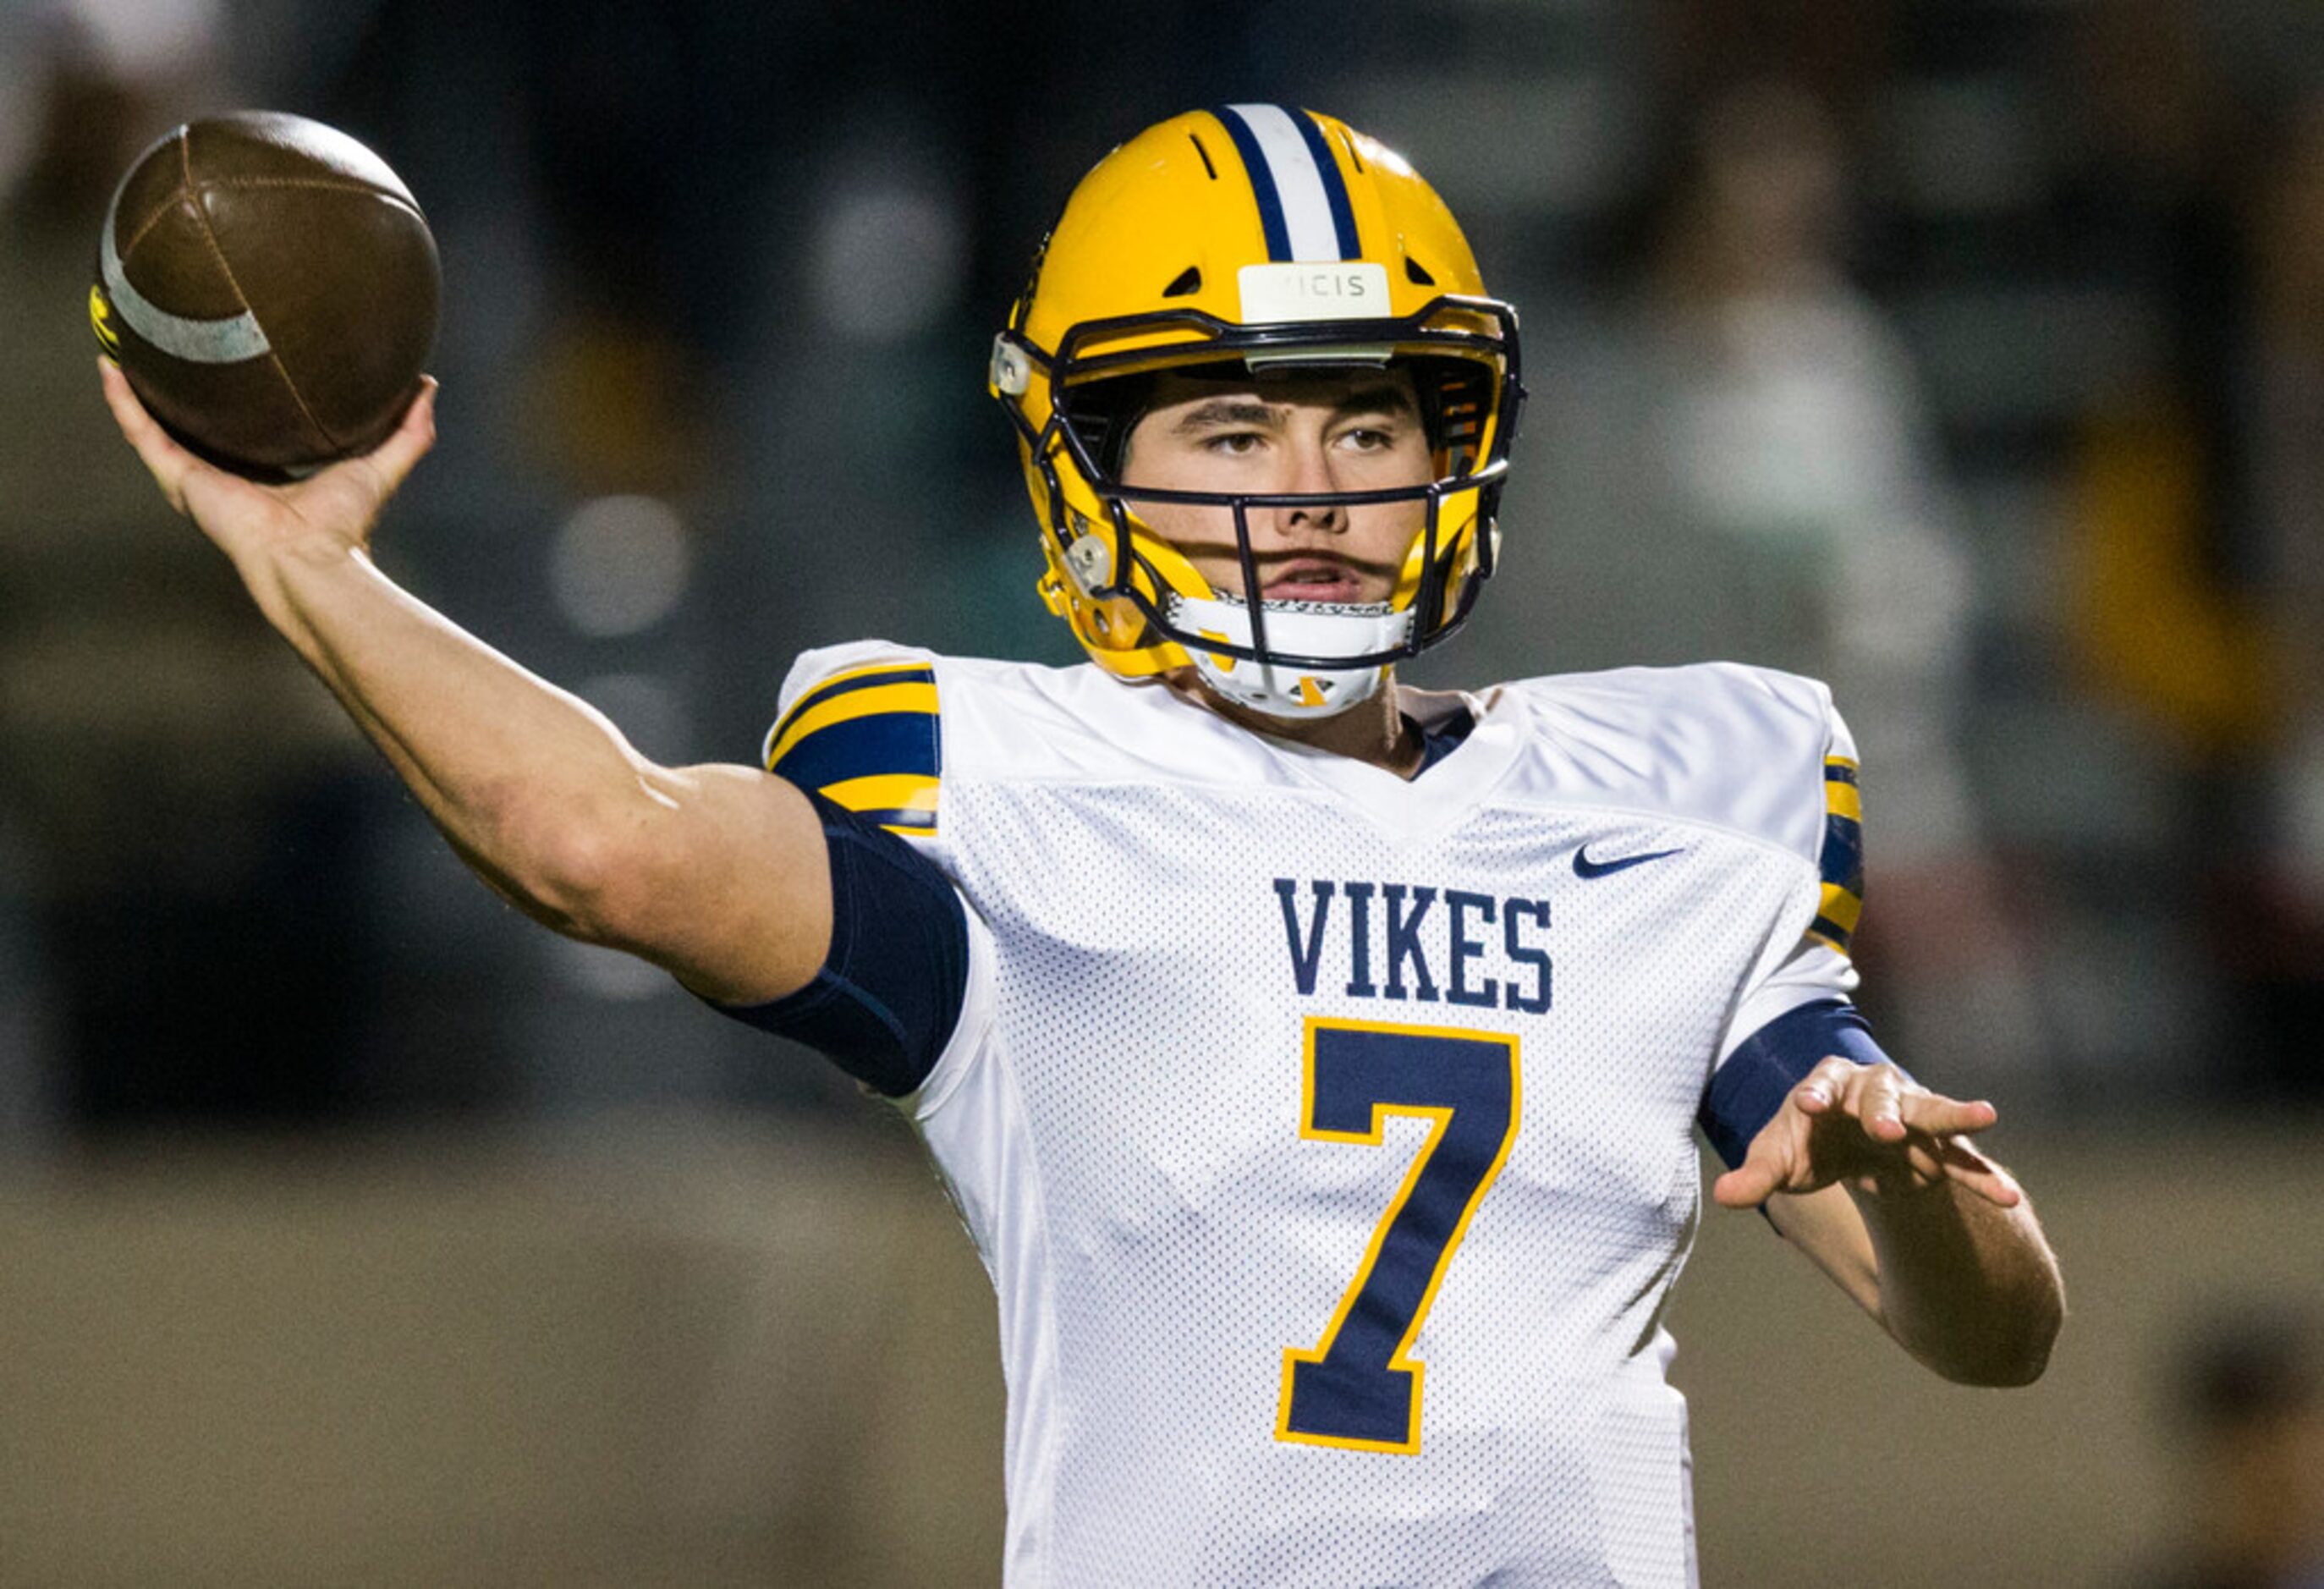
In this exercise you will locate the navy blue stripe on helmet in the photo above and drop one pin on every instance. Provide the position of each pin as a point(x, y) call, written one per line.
point(1335, 186)
point(1262, 182)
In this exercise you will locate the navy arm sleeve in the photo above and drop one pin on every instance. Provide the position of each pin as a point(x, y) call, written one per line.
point(1746, 1092)
point(889, 991)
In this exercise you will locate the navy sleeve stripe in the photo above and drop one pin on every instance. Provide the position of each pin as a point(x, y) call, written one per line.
point(890, 989)
point(902, 821)
point(1746, 1092)
point(885, 746)
point(1840, 938)
point(1842, 860)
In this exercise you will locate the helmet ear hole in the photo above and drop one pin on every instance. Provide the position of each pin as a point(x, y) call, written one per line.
point(1417, 274)
point(1189, 283)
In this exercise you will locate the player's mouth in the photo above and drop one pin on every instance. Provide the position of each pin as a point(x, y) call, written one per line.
point(1314, 579)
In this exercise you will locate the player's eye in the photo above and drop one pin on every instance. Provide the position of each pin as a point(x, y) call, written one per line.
point(1369, 438)
point(1233, 443)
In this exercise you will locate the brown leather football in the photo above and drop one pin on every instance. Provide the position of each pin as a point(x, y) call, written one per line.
point(269, 288)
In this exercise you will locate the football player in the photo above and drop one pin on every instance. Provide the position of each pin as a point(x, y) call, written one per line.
point(1316, 1061)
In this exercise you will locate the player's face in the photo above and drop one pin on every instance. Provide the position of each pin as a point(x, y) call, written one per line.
point(1291, 434)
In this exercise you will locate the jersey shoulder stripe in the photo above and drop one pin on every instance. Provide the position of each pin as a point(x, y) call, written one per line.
point(1841, 863)
point(866, 737)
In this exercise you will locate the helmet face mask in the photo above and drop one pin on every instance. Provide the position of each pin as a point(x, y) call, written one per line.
point(1070, 381)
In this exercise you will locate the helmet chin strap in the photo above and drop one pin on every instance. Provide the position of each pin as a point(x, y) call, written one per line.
point(1315, 629)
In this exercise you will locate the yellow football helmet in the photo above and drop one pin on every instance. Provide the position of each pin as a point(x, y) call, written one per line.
point(1255, 237)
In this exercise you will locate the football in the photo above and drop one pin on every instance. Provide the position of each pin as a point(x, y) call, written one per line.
point(269, 288)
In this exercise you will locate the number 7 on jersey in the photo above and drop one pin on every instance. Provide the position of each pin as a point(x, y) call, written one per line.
point(1359, 1387)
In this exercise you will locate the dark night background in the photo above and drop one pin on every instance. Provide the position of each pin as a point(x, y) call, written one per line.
point(1969, 354)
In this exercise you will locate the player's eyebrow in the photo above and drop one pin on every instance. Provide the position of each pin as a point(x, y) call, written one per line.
point(1385, 398)
point(1220, 411)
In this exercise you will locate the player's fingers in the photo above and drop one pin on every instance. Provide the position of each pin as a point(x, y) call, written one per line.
point(1766, 1168)
point(1932, 1160)
point(393, 459)
point(1747, 1186)
point(1821, 1088)
point(1966, 1167)
point(163, 458)
point(1876, 1096)
point(359, 487)
point(1941, 1116)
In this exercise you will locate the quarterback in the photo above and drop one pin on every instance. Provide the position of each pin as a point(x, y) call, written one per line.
point(1316, 1061)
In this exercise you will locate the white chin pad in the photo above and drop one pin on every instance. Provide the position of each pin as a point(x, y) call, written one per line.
point(1312, 628)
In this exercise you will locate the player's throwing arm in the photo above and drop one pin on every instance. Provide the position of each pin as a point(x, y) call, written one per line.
point(716, 872)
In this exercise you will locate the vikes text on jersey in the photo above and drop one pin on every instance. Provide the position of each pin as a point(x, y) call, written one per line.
point(1415, 942)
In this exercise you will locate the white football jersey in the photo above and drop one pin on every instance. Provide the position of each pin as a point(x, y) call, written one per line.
point(1329, 1137)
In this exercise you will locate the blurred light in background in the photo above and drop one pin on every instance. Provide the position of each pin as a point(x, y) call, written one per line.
point(139, 39)
point(619, 565)
point(891, 255)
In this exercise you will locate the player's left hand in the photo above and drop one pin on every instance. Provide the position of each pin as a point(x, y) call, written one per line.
point(1872, 1128)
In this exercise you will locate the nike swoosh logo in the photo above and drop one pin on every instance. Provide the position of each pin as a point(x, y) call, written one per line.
point(1583, 866)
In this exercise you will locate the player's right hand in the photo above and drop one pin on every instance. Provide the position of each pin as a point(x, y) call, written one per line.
point(336, 505)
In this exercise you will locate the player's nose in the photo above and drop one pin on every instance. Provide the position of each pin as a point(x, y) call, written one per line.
point(1307, 472)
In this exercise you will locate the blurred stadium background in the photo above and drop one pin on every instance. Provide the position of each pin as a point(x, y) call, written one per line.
point(1967, 352)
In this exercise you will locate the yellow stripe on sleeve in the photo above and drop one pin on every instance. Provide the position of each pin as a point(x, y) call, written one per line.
point(1841, 909)
point(869, 701)
point(890, 791)
point(837, 681)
